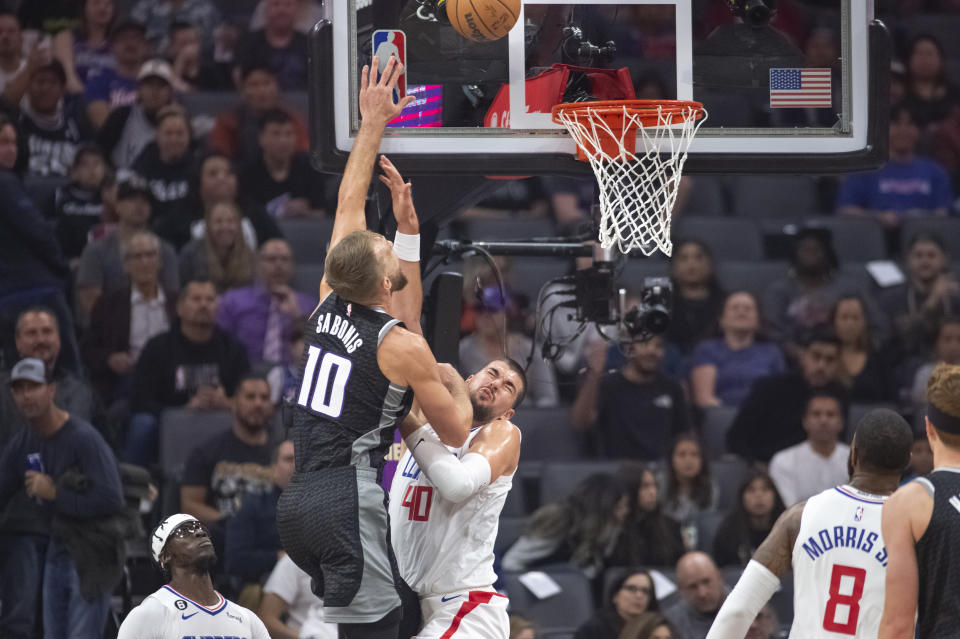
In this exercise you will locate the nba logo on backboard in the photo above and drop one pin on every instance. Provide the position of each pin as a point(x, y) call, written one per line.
point(858, 514)
point(387, 42)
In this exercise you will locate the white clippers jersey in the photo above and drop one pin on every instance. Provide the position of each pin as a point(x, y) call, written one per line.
point(443, 547)
point(166, 614)
point(839, 566)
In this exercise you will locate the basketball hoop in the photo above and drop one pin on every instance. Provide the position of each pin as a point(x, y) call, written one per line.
point(637, 188)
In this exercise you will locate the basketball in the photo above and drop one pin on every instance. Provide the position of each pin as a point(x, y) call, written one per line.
point(483, 20)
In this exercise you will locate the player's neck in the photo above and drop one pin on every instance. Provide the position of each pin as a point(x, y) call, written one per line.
point(875, 483)
point(196, 586)
point(945, 458)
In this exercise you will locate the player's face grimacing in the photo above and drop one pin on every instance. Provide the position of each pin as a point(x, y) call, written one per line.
point(493, 391)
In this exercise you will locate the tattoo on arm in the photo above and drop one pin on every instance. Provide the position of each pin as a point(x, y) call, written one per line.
point(776, 551)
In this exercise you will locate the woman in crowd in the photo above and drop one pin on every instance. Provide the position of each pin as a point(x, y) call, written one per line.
point(649, 625)
point(87, 48)
point(630, 595)
point(744, 529)
point(724, 368)
point(864, 369)
point(166, 165)
point(929, 93)
point(582, 529)
point(649, 538)
point(687, 487)
point(221, 255)
point(697, 297)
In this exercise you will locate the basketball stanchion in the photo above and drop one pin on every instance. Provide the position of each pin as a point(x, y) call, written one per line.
point(638, 187)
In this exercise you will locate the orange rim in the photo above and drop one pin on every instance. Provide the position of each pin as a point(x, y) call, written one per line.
point(612, 111)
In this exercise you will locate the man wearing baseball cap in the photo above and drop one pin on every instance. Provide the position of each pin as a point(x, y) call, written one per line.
point(64, 469)
point(109, 88)
point(187, 606)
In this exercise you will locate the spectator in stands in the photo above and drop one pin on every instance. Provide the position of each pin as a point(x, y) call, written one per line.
point(87, 48)
point(167, 163)
point(77, 206)
point(101, 267)
point(945, 143)
point(195, 364)
point(930, 94)
point(309, 13)
point(743, 529)
point(37, 335)
point(635, 411)
point(649, 625)
point(253, 544)
point(280, 179)
point(803, 299)
point(129, 129)
point(930, 293)
point(819, 462)
point(278, 44)
point(487, 343)
point(946, 349)
point(111, 87)
point(686, 487)
point(724, 368)
point(12, 60)
point(224, 470)
point(32, 268)
point(649, 538)
point(53, 123)
point(192, 69)
point(864, 368)
point(630, 595)
point(702, 593)
point(49, 18)
point(697, 297)
point(765, 625)
point(73, 481)
point(263, 315)
point(159, 16)
point(235, 133)
point(907, 186)
point(770, 417)
point(921, 457)
point(222, 254)
point(581, 529)
point(288, 602)
point(123, 321)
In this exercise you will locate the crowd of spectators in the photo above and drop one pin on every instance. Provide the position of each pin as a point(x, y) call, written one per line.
point(143, 270)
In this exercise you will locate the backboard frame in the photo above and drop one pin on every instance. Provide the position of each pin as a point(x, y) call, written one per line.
point(331, 49)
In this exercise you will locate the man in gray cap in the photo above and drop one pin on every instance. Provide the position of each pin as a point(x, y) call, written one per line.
point(65, 471)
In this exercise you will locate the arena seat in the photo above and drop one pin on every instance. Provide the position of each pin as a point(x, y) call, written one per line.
point(752, 277)
point(713, 430)
point(210, 103)
point(707, 525)
point(948, 228)
point(706, 197)
point(513, 228)
point(308, 238)
point(527, 275)
point(516, 503)
point(307, 278)
point(547, 434)
point(729, 474)
point(637, 269)
point(564, 611)
point(728, 238)
point(769, 196)
point(854, 239)
point(858, 410)
point(182, 430)
point(559, 479)
point(508, 531)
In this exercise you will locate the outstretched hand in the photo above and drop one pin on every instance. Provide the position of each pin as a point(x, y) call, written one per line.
point(403, 210)
point(376, 94)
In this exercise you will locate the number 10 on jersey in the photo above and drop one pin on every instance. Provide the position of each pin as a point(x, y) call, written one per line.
point(324, 394)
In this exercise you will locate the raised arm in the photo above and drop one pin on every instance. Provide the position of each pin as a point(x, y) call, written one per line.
point(376, 110)
point(760, 579)
point(406, 304)
point(905, 518)
point(406, 360)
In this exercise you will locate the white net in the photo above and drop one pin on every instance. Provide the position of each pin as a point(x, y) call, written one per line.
point(637, 188)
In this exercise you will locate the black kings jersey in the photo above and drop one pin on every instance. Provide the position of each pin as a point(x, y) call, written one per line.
point(938, 559)
point(346, 410)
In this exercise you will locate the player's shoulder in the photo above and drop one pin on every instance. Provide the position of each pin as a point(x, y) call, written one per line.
point(248, 619)
point(502, 429)
point(146, 620)
point(920, 489)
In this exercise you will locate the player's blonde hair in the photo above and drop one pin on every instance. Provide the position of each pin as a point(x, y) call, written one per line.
point(943, 391)
point(353, 269)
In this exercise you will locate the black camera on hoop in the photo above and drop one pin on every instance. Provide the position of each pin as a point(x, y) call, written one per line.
point(756, 13)
point(652, 315)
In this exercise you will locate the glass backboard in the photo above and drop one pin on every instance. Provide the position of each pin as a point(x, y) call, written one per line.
point(805, 92)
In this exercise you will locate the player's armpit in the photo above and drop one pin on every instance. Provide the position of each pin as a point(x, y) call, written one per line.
point(899, 526)
point(499, 442)
point(776, 551)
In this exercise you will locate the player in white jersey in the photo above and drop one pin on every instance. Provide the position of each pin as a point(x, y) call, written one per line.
point(445, 505)
point(188, 606)
point(833, 542)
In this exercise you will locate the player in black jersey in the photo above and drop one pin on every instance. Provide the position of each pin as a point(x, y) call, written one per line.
point(361, 371)
point(921, 528)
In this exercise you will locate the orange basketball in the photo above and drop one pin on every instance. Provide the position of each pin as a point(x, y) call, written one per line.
point(483, 20)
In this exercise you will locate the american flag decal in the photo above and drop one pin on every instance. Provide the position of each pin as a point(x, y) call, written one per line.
point(800, 88)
